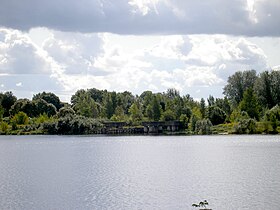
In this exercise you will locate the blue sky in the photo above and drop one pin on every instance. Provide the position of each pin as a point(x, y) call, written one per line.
point(136, 45)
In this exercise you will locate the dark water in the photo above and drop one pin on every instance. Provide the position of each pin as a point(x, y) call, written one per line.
point(140, 172)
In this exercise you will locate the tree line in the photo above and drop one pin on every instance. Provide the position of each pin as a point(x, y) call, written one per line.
point(250, 105)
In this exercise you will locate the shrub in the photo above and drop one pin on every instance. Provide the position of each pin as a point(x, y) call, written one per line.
point(246, 126)
point(20, 118)
point(203, 127)
point(4, 128)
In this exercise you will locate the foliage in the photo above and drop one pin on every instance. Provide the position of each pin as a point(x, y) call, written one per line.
point(65, 111)
point(4, 128)
point(41, 107)
point(156, 109)
point(135, 113)
point(168, 115)
point(246, 126)
point(202, 108)
point(20, 118)
point(250, 104)
point(72, 125)
point(216, 115)
point(237, 84)
point(247, 96)
point(273, 117)
point(238, 115)
point(84, 105)
point(24, 105)
point(7, 99)
point(203, 127)
point(50, 98)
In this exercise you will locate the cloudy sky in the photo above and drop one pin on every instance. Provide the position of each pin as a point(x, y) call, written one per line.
point(136, 45)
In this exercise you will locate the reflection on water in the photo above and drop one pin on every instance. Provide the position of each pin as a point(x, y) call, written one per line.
point(139, 172)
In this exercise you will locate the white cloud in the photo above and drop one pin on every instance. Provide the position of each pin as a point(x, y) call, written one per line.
point(107, 61)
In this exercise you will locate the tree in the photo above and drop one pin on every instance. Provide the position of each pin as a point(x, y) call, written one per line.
point(224, 104)
point(65, 111)
point(247, 126)
point(50, 98)
point(211, 101)
point(24, 105)
point(135, 112)
point(203, 127)
point(84, 105)
point(238, 83)
point(41, 107)
point(108, 106)
point(202, 108)
point(6, 101)
point(250, 104)
point(172, 93)
point(275, 83)
point(20, 118)
point(263, 89)
point(273, 116)
point(168, 115)
point(216, 115)
point(156, 109)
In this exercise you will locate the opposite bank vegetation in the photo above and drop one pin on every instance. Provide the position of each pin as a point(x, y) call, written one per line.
point(250, 106)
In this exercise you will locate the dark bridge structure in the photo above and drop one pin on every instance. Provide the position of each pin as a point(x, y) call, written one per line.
point(162, 126)
point(153, 127)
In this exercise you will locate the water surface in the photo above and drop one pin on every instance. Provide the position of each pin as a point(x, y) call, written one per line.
point(139, 172)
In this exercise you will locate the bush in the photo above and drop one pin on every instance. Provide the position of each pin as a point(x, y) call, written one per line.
point(72, 124)
point(246, 126)
point(216, 115)
point(20, 118)
point(203, 127)
point(4, 128)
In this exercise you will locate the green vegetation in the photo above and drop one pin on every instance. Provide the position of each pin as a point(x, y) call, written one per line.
point(250, 106)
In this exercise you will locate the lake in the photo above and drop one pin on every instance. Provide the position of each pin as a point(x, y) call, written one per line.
point(139, 172)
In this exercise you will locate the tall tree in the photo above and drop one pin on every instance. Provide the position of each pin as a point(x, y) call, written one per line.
point(250, 104)
point(86, 106)
point(237, 84)
point(50, 98)
point(156, 109)
point(263, 88)
point(6, 101)
point(202, 108)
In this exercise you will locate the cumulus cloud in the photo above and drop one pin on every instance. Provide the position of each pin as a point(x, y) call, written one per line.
point(70, 61)
point(237, 17)
point(24, 67)
point(18, 55)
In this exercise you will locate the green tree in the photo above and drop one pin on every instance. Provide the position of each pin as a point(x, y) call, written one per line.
point(50, 98)
point(250, 104)
point(203, 127)
point(65, 111)
point(7, 100)
point(135, 112)
point(24, 105)
point(156, 109)
point(263, 89)
point(211, 101)
point(237, 84)
point(168, 115)
point(20, 118)
point(246, 126)
point(41, 107)
point(108, 106)
point(202, 108)
point(216, 115)
point(84, 105)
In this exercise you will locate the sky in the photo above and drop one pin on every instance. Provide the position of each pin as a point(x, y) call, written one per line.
point(136, 45)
